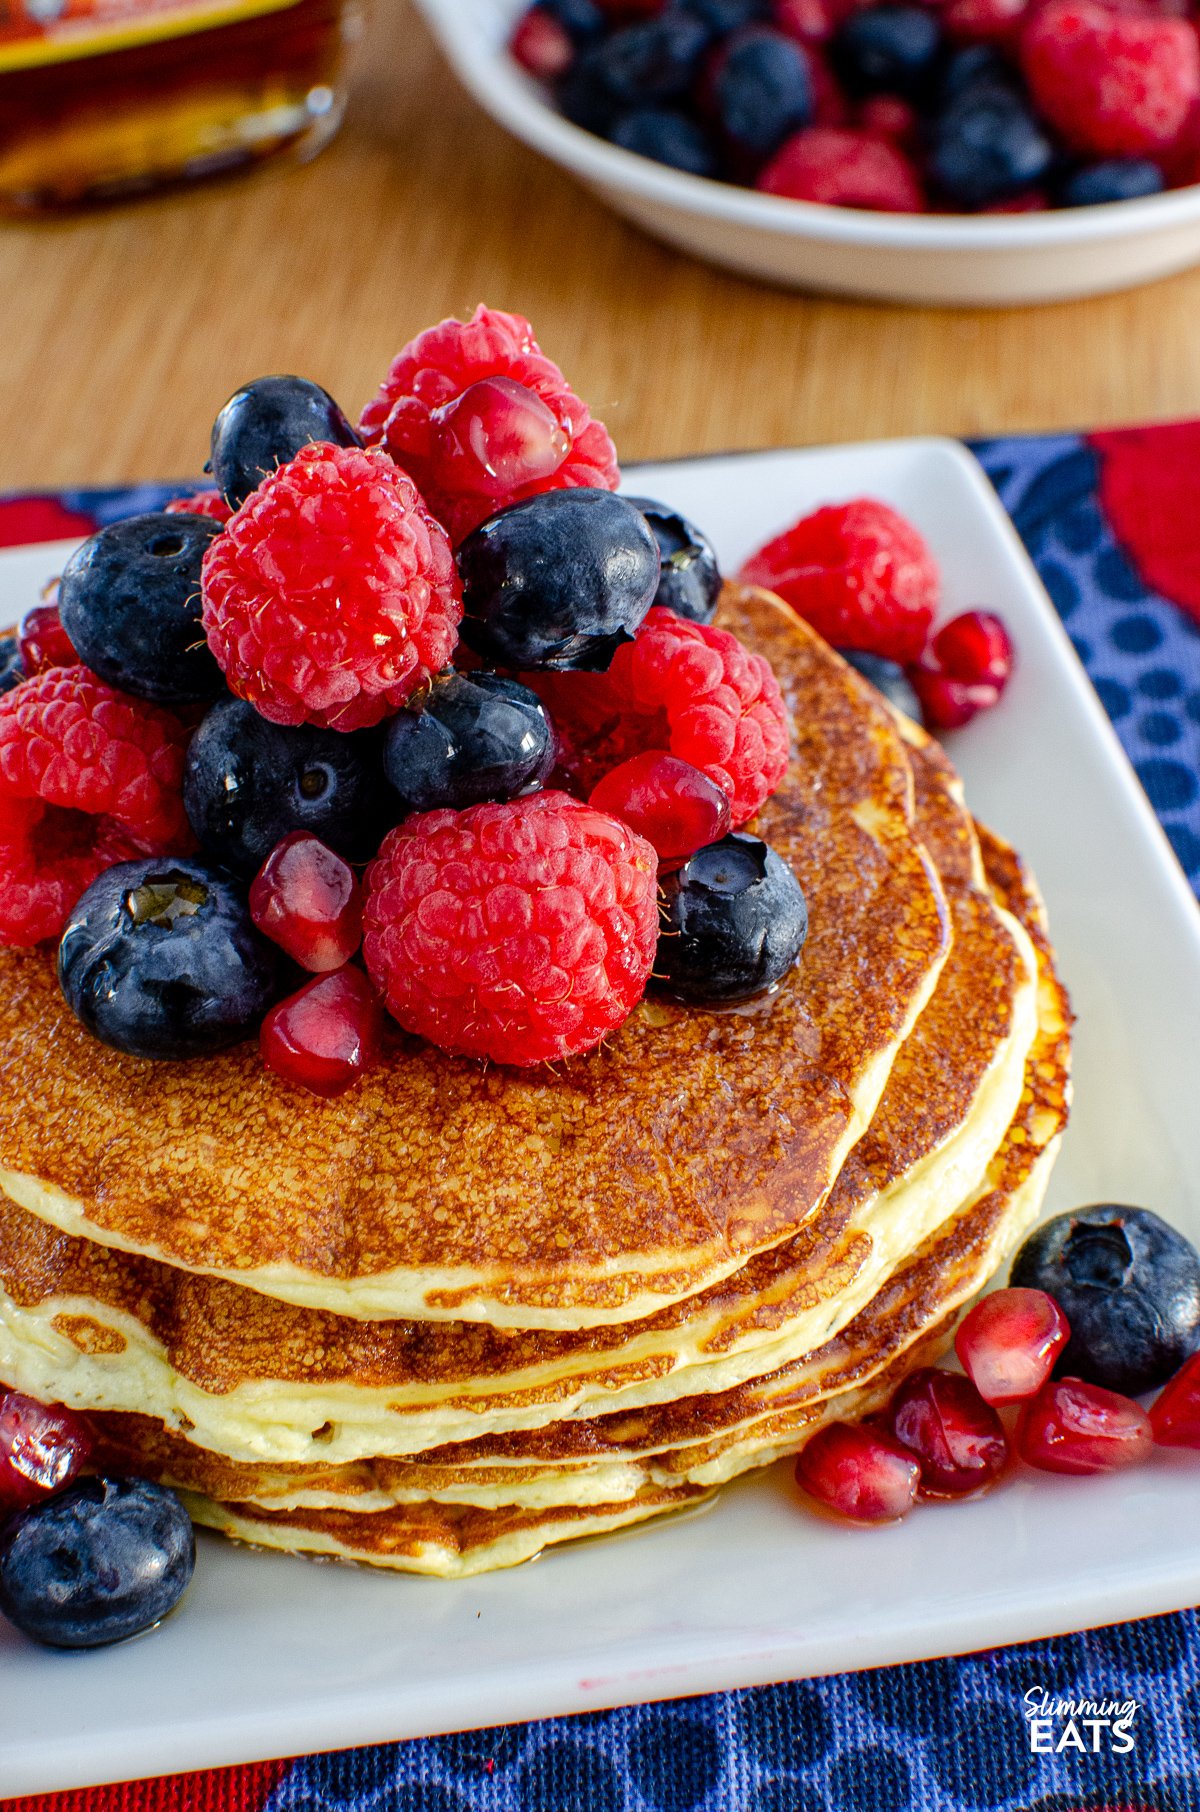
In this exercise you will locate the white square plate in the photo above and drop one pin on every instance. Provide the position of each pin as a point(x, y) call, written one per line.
point(275, 1656)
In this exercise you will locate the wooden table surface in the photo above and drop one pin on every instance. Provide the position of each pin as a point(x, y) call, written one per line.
point(124, 331)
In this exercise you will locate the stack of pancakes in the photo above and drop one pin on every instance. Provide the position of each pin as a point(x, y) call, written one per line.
point(464, 1312)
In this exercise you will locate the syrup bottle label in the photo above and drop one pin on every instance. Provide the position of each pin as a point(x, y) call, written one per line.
point(34, 33)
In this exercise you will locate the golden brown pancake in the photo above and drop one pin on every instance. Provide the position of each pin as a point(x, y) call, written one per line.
point(633, 1177)
point(701, 1440)
point(232, 1344)
point(449, 1540)
point(909, 1322)
point(255, 1378)
point(455, 1540)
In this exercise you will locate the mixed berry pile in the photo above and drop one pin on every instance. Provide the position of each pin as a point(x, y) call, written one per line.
point(948, 106)
point(420, 716)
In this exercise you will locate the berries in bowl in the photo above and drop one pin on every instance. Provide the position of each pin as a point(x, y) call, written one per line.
point(965, 107)
point(1018, 209)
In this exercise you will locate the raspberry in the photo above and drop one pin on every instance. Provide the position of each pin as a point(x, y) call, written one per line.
point(978, 21)
point(522, 931)
point(888, 116)
point(1112, 83)
point(434, 370)
point(689, 689)
point(200, 503)
point(843, 169)
point(43, 641)
point(332, 595)
point(809, 21)
point(830, 106)
point(88, 777)
point(1029, 201)
point(859, 573)
point(541, 45)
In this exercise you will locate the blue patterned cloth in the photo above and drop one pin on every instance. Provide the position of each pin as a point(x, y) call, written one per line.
point(938, 1736)
point(1142, 653)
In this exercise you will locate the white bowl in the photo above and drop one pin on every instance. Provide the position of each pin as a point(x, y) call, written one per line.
point(981, 259)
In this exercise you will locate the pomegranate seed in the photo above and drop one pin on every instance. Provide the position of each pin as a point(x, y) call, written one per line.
point(1008, 1343)
point(308, 901)
point(542, 46)
point(948, 704)
point(200, 503)
point(1175, 1413)
point(859, 1472)
point(42, 1447)
point(957, 1437)
point(495, 437)
point(887, 116)
point(43, 640)
point(975, 648)
point(327, 1036)
point(1082, 1428)
point(666, 800)
point(964, 669)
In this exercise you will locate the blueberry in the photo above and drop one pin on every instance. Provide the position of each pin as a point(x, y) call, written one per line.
point(582, 20)
point(1128, 1284)
point(976, 67)
point(96, 1563)
point(1114, 179)
point(129, 599)
point(725, 16)
point(558, 581)
point(247, 783)
point(584, 98)
point(888, 50)
point(472, 736)
point(762, 92)
point(653, 61)
point(987, 145)
point(887, 677)
point(690, 579)
point(12, 671)
point(264, 424)
point(160, 958)
point(668, 137)
point(733, 920)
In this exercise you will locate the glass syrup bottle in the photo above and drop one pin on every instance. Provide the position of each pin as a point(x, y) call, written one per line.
point(101, 99)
